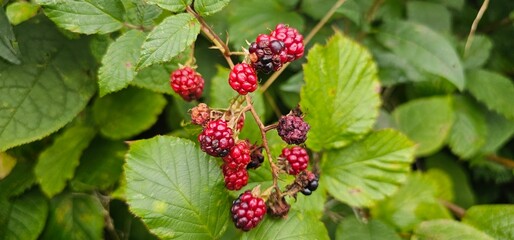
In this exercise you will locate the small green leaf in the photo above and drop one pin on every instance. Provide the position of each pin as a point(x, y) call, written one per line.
point(18, 12)
point(7, 163)
point(469, 131)
point(249, 18)
point(128, 112)
point(340, 93)
point(23, 217)
point(8, 47)
point(141, 13)
point(57, 163)
point(172, 36)
point(351, 228)
point(172, 5)
point(447, 229)
point(443, 184)
point(20, 179)
point(368, 170)
point(433, 15)
point(176, 189)
point(423, 48)
point(100, 166)
point(478, 52)
point(208, 7)
point(85, 16)
point(413, 203)
point(495, 220)
point(296, 226)
point(494, 90)
point(426, 121)
point(48, 90)
point(499, 131)
point(74, 216)
point(118, 64)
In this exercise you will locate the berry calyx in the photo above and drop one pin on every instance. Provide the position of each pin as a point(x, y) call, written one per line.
point(239, 156)
point(235, 179)
point(247, 211)
point(216, 138)
point(200, 114)
point(187, 83)
point(297, 159)
point(243, 78)
point(293, 41)
point(292, 129)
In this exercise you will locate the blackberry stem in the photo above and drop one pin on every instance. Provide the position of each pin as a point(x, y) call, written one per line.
point(309, 37)
point(207, 30)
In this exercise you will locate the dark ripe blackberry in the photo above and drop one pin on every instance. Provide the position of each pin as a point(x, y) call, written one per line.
point(312, 185)
point(266, 54)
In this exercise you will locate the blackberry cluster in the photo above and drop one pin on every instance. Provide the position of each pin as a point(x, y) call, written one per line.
point(247, 211)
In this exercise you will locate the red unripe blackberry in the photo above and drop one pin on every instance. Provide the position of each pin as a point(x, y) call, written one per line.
point(292, 129)
point(187, 83)
point(247, 211)
point(267, 54)
point(243, 78)
point(200, 114)
point(235, 179)
point(239, 156)
point(240, 122)
point(297, 159)
point(293, 41)
point(216, 138)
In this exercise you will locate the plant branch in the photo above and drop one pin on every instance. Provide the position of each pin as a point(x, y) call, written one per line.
point(274, 168)
point(509, 163)
point(307, 39)
point(474, 26)
point(455, 209)
point(207, 30)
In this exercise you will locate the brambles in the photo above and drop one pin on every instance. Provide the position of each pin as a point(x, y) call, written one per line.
point(247, 211)
point(292, 40)
point(216, 138)
point(239, 156)
point(200, 114)
point(187, 83)
point(292, 129)
point(236, 178)
point(295, 159)
point(243, 78)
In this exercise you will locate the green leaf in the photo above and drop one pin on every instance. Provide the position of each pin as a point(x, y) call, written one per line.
point(168, 39)
point(478, 52)
point(57, 163)
point(221, 92)
point(7, 163)
point(85, 16)
point(249, 18)
point(172, 5)
point(23, 217)
point(74, 216)
point(8, 47)
point(141, 13)
point(469, 131)
point(423, 48)
point(495, 220)
point(352, 228)
point(447, 229)
point(20, 179)
point(340, 93)
point(494, 90)
point(368, 170)
point(18, 12)
point(128, 112)
point(296, 226)
point(426, 121)
point(499, 131)
point(415, 202)
point(176, 189)
point(208, 7)
point(443, 184)
point(118, 64)
point(433, 15)
point(100, 166)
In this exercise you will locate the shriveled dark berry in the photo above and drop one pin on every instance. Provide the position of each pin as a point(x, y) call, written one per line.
point(247, 211)
point(200, 114)
point(292, 129)
point(187, 83)
point(216, 138)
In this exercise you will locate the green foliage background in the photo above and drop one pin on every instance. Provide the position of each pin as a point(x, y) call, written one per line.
point(412, 129)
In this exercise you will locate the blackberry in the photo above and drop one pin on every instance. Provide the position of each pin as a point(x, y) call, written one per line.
point(200, 114)
point(267, 54)
point(292, 129)
point(312, 185)
point(239, 156)
point(256, 157)
point(216, 138)
point(187, 83)
point(247, 211)
point(235, 179)
point(293, 41)
point(297, 159)
point(243, 79)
